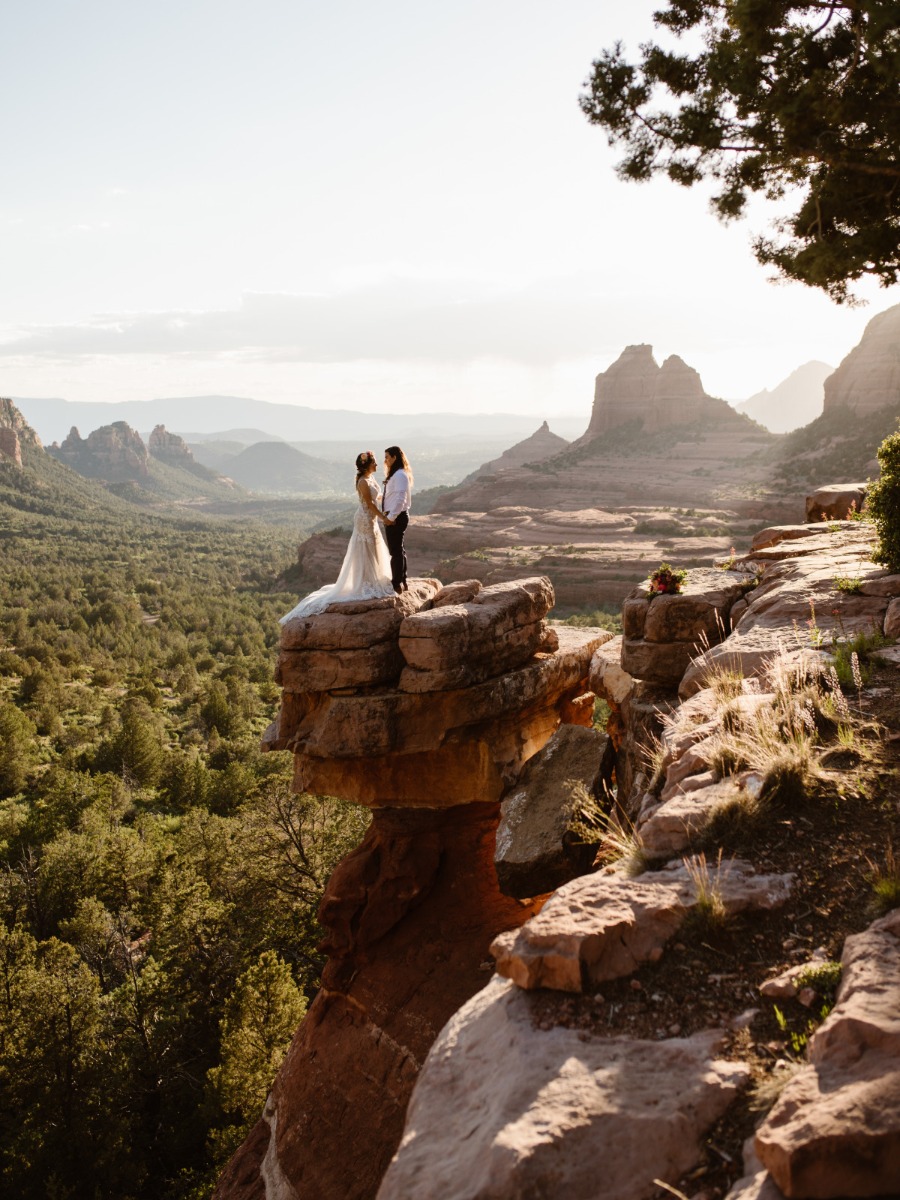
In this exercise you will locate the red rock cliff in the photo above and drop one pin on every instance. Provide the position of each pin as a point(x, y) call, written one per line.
point(425, 708)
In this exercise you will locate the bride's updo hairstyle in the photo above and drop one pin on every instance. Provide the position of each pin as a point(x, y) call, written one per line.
point(363, 462)
point(400, 460)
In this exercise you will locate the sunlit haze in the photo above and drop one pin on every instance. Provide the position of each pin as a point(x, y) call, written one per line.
point(381, 207)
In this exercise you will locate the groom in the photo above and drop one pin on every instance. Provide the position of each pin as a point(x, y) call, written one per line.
point(398, 481)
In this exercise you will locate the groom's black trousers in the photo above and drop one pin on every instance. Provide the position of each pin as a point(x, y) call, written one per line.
point(394, 534)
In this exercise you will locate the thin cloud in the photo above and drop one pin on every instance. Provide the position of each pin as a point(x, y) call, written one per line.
point(438, 321)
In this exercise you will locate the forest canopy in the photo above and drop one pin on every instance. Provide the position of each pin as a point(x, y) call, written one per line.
point(797, 102)
point(159, 880)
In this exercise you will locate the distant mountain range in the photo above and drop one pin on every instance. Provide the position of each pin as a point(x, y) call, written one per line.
point(53, 418)
point(795, 402)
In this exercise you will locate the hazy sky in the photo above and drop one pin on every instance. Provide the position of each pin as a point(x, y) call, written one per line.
point(377, 206)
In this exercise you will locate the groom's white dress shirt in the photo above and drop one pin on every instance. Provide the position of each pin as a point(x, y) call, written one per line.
point(397, 495)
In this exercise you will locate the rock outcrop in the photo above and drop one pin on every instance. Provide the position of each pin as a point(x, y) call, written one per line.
point(542, 444)
point(798, 591)
point(603, 926)
point(15, 432)
point(170, 448)
point(544, 1075)
point(663, 633)
point(10, 448)
point(636, 389)
point(425, 707)
point(868, 379)
point(114, 453)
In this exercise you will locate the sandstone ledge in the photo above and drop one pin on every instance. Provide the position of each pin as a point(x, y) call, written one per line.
point(551, 1112)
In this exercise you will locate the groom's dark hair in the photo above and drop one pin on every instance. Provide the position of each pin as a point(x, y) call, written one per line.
point(400, 461)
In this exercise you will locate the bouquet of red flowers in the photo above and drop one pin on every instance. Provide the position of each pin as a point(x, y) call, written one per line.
point(666, 581)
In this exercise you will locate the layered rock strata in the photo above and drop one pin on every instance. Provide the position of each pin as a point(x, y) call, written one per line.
point(663, 633)
point(425, 707)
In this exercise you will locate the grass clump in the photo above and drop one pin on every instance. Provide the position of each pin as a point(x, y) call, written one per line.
point(614, 836)
point(709, 912)
point(885, 883)
point(852, 584)
point(851, 655)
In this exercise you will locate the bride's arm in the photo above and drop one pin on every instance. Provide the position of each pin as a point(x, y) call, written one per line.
point(366, 497)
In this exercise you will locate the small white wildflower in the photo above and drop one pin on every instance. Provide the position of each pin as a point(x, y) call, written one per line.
point(857, 674)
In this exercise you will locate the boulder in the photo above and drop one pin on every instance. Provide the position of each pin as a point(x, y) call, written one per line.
point(835, 501)
point(604, 926)
point(550, 1112)
point(457, 593)
point(773, 535)
point(892, 619)
point(536, 851)
point(663, 663)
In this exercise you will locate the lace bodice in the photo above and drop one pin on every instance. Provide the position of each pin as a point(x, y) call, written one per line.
point(364, 519)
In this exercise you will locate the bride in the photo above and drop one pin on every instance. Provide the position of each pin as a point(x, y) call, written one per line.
point(366, 572)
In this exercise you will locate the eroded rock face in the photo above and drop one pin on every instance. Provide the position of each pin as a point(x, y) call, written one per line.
point(10, 450)
point(869, 377)
point(113, 452)
point(636, 388)
point(411, 913)
point(169, 447)
point(11, 418)
point(508, 1110)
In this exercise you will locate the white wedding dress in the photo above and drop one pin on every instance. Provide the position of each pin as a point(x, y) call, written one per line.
point(366, 571)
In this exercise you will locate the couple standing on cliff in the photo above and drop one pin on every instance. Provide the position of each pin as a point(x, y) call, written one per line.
point(371, 569)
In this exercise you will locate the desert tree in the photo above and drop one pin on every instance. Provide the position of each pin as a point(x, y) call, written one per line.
point(797, 102)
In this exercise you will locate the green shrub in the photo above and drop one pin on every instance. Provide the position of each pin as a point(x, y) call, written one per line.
point(883, 503)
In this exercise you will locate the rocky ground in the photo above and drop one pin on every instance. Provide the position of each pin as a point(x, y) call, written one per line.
point(643, 1025)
